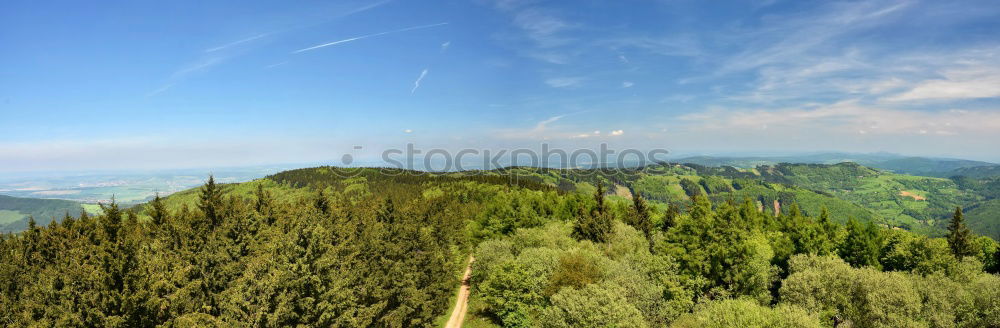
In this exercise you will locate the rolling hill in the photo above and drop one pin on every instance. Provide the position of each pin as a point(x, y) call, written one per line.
point(930, 166)
point(15, 211)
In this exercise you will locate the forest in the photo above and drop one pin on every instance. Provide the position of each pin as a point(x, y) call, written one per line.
point(15, 211)
point(332, 247)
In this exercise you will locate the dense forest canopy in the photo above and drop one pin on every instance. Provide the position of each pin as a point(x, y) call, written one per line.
point(554, 248)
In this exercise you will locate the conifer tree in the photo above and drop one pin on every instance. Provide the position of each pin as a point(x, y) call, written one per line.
point(264, 200)
point(111, 220)
point(863, 244)
point(670, 217)
point(322, 203)
point(641, 219)
point(210, 202)
point(599, 199)
point(159, 214)
point(597, 225)
point(959, 236)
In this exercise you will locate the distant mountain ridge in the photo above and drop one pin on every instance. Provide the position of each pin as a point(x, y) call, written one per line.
point(913, 165)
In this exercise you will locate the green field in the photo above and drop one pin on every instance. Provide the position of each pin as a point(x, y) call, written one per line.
point(8, 216)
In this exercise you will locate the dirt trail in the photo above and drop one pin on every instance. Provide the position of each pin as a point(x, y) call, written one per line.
point(912, 195)
point(458, 313)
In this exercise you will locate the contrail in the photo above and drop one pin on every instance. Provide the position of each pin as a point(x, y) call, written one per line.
point(235, 43)
point(368, 36)
point(416, 84)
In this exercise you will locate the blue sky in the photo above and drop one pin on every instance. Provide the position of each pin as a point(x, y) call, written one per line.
point(139, 84)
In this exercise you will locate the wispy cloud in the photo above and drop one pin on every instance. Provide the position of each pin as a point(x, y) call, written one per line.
point(238, 42)
point(416, 84)
point(564, 82)
point(160, 90)
point(540, 33)
point(444, 46)
point(368, 36)
point(541, 126)
point(275, 65)
point(847, 118)
point(627, 84)
point(184, 72)
point(216, 55)
point(978, 81)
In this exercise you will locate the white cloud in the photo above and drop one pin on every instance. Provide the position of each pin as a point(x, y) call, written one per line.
point(979, 81)
point(408, 131)
point(444, 46)
point(541, 34)
point(543, 124)
point(617, 132)
point(541, 27)
point(275, 65)
point(627, 84)
point(849, 116)
point(416, 84)
point(564, 82)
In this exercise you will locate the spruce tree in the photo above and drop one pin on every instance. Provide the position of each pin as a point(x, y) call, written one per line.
point(863, 244)
point(159, 213)
point(597, 225)
point(959, 236)
point(111, 220)
point(322, 203)
point(210, 202)
point(599, 199)
point(641, 219)
point(670, 217)
point(264, 200)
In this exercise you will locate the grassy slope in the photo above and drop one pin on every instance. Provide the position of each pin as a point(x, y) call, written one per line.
point(985, 218)
point(8, 216)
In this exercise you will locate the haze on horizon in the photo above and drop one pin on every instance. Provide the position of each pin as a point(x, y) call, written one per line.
point(138, 85)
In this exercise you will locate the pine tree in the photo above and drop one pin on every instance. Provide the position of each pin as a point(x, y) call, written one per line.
point(599, 199)
point(322, 203)
point(597, 225)
point(670, 217)
point(863, 244)
point(264, 200)
point(641, 219)
point(111, 220)
point(210, 202)
point(959, 236)
point(159, 213)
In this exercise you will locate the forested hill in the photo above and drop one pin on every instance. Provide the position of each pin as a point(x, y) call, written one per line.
point(15, 211)
point(913, 202)
point(329, 247)
point(939, 167)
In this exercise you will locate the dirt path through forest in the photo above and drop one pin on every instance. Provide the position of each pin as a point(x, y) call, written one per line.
point(458, 313)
